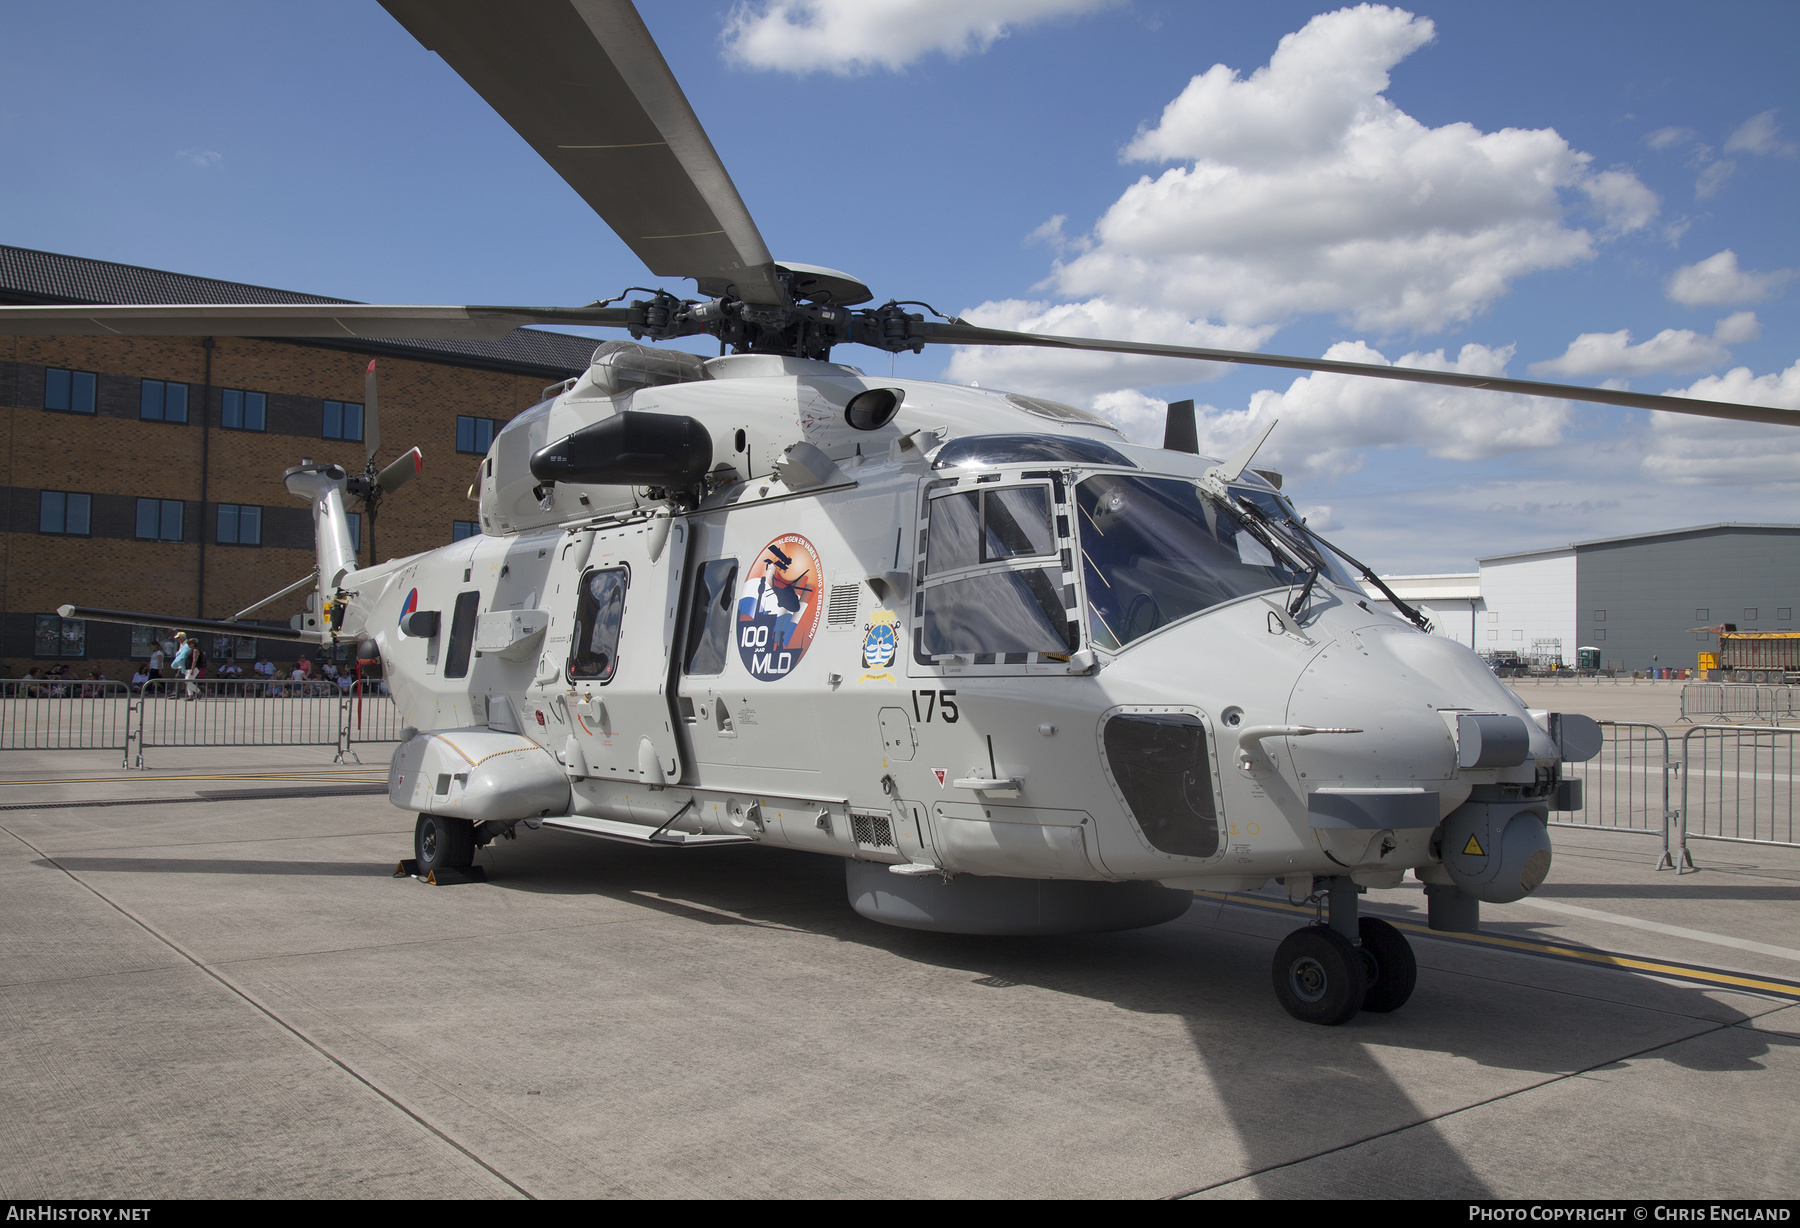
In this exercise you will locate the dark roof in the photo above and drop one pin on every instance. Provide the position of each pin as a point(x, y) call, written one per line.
point(28, 276)
point(1722, 527)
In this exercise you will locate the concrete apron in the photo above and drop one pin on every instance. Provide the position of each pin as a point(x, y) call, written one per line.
point(236, 999)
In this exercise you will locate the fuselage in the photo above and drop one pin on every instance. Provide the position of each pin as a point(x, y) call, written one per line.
point(1003, 658)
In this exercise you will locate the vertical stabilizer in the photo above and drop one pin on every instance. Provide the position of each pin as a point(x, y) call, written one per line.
point(323, 487)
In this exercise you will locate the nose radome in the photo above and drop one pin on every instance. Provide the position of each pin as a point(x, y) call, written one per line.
point(1392, 682)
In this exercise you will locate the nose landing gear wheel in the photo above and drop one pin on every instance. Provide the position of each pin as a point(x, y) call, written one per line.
point(1319, 976)
point(443, 844)
point(1388, 965)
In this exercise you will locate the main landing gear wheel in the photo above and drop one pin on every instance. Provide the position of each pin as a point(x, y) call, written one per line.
point(1319, 976)
point(443, 844)
point(1388, 965)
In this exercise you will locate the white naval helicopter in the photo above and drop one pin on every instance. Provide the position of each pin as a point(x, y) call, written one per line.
point(1022, 675)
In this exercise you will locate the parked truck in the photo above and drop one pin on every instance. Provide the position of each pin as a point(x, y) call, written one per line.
point(1751, 656)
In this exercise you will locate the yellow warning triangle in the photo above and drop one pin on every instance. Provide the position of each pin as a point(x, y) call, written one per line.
point(1474, 847)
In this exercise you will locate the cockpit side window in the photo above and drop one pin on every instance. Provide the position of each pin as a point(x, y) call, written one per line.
point(709, 617)
point(994, 589)
point(599, 615)
point(989, 525)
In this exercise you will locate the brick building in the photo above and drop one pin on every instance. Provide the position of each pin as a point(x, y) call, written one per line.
point(145, 473)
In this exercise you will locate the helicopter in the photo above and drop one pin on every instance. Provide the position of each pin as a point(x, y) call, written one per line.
point(1022, 675)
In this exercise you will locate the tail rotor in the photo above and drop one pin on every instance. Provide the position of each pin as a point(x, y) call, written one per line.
point(374, 483)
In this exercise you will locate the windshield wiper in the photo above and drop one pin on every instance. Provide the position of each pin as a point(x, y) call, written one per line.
point(1368, 573)
point(1315, 564)
point(1271, 532)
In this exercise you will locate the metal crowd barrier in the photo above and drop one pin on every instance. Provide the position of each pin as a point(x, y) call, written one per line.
point(1737, 784)
point(63, 714)
point(1724, 702)
point(77, 715)
point(1626, 786)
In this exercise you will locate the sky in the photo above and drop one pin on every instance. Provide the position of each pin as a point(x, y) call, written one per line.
point(1593, 192)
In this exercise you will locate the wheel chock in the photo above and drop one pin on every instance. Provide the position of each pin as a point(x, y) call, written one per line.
point(407, 869)
point(445, 877)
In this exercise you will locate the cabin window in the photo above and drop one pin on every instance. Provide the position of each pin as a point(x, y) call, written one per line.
point(462, 635)
point(599, 615)
point(709, 618)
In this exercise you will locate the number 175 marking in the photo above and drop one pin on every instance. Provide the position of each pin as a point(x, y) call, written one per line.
point(943, 702)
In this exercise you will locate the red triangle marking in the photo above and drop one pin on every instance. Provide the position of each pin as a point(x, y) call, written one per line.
point(940, 773)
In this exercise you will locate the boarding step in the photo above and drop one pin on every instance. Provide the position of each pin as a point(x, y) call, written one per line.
point(637, 833)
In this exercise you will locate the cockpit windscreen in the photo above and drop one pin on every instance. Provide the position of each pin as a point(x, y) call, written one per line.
point(1155, 549)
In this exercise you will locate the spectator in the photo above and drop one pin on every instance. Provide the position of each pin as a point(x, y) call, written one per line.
point(183, 665)
point(157, 657)
point(139, 679)
point(32, 679)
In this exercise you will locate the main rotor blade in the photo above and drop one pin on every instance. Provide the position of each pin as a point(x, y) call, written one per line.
point(296, 320)
point(968, 334)
point(583, 82)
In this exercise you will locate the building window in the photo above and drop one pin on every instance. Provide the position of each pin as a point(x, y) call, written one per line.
point(1749, 613)
point(59, 637)
point(1599, 616)
point(72, 392)
point(60, 512)
point(355, 519)
point(461, 529)
point(343, 420)
point(232, 648)
point(159, 519)
point(1701, 616)
point(144, 641)
point(1518, 635)
point(244, 411)
point(163, 402)
point(1600, 634)
point(1784, 613)
point(474, 434)
point(1493, 616)
point(239, 525)
point(1493, 635)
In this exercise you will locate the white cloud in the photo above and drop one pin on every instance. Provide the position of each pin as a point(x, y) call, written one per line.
point(1082, 375)
point(1717, 280)
point(1673, 349)
point(1738, 328)
point(1141, 417)
point(1712, 179)
point(1668, 138)
point(1304, 189)
point(1691, 450)
point(854, 36)
point(199, 157)
point(1760, 134)
point(1327, 420)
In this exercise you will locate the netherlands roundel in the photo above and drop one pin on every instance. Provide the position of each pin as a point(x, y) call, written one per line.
point(778, 607)
point(412, 603)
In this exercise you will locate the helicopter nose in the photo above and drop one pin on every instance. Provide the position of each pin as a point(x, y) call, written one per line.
point(1402, 689)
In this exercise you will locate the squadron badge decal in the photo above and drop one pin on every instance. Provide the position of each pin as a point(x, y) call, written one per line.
point(778, 608)
point(881, 644)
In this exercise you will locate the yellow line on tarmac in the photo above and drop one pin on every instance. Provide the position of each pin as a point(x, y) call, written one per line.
point(1687, 972)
